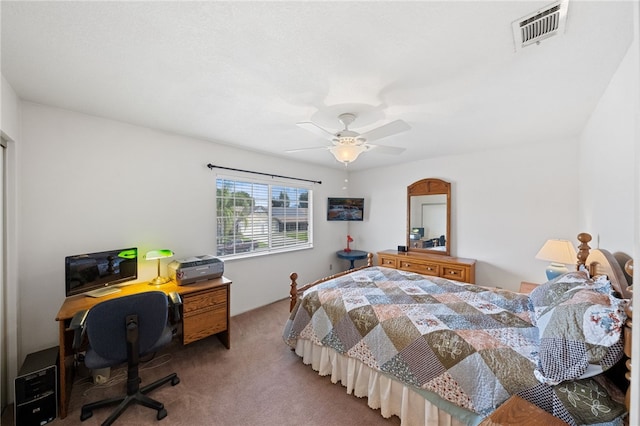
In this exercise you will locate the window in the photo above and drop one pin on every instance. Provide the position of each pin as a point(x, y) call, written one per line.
point(255, 217)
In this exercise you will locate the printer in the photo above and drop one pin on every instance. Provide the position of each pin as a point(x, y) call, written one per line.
point(196, 268)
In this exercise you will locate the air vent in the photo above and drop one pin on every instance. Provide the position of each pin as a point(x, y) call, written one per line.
point(540, 25)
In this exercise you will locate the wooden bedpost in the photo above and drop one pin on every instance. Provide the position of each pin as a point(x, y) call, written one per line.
point(583, 249)
point(628, 267)
point(293, 293)
point(369, 259)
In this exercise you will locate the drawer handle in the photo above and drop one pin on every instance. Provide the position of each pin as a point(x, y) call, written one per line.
point(452, 272)
point(429, 269)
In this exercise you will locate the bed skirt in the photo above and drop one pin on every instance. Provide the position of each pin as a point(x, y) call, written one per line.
point(382, 392)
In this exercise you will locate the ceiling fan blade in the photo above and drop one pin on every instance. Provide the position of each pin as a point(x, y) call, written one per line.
point(315, 148)
point(317, 130)
point(385, 130)
point(383, 149)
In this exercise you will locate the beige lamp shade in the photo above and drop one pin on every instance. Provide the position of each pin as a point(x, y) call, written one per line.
point(560, 253)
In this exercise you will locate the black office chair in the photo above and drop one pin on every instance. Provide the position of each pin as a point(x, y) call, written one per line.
point(121, 330)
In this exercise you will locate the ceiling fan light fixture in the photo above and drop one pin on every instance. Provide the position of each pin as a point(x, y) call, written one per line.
point(346, 140)
point(347, 153)
point(347, 144)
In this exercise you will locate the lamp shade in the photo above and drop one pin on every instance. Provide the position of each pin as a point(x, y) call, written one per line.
point(559, 253)
point(347, 153)
point(158, 254)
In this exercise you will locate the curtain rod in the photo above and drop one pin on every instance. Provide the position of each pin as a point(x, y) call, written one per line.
point(211, 166)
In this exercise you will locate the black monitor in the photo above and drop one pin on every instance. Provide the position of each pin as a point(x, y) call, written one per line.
point(94, 273)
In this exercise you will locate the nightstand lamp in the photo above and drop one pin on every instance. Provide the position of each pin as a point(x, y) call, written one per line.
point(560, 253)
point(157, 255)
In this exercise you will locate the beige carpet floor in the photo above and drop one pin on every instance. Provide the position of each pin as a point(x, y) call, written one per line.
point(259, 381)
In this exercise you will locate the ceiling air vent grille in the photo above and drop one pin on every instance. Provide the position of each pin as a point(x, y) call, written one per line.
point(540, 25)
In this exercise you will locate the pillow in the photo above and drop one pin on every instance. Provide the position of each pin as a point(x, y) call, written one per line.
point(580, 332)
point(544, 295)
point(589, 402)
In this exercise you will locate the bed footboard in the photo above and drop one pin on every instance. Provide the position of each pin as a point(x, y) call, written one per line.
point(293, 292)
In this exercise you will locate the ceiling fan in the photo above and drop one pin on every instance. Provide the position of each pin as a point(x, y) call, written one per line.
point(347, 145)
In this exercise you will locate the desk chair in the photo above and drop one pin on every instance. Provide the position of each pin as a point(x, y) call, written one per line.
point(121, 330)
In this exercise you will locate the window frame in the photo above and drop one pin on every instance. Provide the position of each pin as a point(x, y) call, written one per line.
point(270, 184)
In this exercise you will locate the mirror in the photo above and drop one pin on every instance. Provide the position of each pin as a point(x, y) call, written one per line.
point(429, 216)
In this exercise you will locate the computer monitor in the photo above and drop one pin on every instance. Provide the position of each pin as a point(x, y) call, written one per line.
point(95, 274)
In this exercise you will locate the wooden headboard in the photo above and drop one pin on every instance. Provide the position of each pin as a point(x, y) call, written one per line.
point(602, 262)
point(618, 267)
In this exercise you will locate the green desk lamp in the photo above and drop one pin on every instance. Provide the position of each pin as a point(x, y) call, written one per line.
point(157, 255)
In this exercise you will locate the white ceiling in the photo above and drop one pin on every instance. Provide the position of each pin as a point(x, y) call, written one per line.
point(244, 73)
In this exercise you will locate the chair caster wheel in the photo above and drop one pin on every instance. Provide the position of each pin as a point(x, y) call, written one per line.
point(162, 414)
point(175, 381)
point(84, 415)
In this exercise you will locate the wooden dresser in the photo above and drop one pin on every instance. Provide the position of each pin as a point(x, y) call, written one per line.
point(453, 268)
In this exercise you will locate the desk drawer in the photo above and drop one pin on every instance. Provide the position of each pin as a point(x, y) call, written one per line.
point(423, 268)
point(389, 262)
point(193, 304)
point(454, 273)
point(204, 323)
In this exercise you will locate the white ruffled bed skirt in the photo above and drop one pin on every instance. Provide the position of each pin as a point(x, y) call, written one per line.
point(390, 396)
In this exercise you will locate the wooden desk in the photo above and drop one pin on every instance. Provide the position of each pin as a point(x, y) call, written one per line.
point(205, 311)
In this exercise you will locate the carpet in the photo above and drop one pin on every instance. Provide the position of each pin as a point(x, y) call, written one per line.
point(259, 381)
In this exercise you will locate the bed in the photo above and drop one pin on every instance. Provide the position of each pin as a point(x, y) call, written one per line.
point(436, 351)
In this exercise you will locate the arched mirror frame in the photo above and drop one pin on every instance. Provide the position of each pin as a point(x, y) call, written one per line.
point(427, 187)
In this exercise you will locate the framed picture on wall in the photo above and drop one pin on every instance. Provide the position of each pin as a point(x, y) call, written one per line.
point(342, 209)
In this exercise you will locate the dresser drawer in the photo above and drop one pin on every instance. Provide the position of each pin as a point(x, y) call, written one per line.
point(452, 268)
point(193, 304)
point(423, 268)
point(454, 273)
point(203, 323)
point(389, 262)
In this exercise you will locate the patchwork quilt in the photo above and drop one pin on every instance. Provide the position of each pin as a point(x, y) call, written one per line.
point(472, 346)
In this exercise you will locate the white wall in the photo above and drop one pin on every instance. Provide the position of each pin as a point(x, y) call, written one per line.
point(610, 177)
point(505, 204)
point(9, 123)
point(91, 184)
point(607, 162)
point(9, 335)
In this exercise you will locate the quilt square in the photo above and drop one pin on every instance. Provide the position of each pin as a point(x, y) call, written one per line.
point(381, 347)
point(449, 347)
point(424, 364)
point(364, 319)
point(347, 333)
point(401, 331)
point(385, 312)
point(484, 398)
